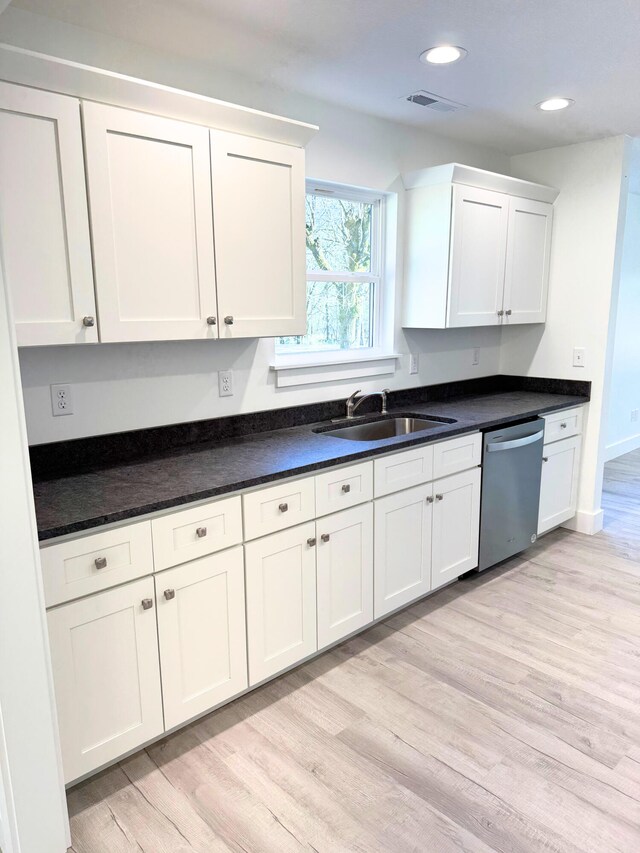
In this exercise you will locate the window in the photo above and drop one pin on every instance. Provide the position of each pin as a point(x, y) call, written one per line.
point(343, 241)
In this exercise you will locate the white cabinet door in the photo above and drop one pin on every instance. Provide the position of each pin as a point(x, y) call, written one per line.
point(104, 653)
point(402, 561)
point(559, 484)
point(201, 629)
point(44, 226)
point(150, 206)
point(259, 221)
point(281, 600)
point(527, 268)
point(456, 526)
point(478, 251)
point(345, 573)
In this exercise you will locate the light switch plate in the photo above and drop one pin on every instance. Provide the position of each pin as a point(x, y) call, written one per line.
point(413, 362)
point(476, 356)
point(579, 357)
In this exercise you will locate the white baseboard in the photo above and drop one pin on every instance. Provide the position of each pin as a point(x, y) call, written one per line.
point(586, 522)
point(619, 448)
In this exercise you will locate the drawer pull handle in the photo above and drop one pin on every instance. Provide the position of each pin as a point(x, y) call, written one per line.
point(147, 603)
point(201, 532)
point(346, 488)
point(100, 562)
point(283, 507)
point(88, 322)
point(545, 458)
point(211, 321)
point(563, 425)
point(325, 537)
point(429, 499)
point(229, 320)
point(439, 497)
point(311, 541)
point(169, 594)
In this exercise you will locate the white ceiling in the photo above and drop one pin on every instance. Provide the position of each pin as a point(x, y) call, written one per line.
point(364, 54)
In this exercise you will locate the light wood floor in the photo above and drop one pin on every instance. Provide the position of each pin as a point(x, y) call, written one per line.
point(501, 714)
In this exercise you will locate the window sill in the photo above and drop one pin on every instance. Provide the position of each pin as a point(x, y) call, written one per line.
point(316, 368)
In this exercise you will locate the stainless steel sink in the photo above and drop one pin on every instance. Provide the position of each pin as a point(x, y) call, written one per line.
point(387, 428)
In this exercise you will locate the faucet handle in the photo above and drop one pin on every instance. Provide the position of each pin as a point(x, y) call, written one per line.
point(350, 402)
point(383, 394)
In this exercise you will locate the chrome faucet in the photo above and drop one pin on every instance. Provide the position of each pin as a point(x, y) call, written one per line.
point(352, 404)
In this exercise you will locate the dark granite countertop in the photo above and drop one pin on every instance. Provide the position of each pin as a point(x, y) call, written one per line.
point(194, 472)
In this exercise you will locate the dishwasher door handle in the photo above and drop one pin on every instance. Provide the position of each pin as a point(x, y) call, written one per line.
point(516, 442)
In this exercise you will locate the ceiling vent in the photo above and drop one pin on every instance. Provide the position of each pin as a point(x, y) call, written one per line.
point(433, 102)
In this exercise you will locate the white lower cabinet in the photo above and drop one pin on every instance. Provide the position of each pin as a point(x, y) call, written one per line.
point(402, 547)
point(104, 653)
point(425, 537)
point(281, 600)
point(559, 484)
point(344, 573)
point(144, 656)
point(201, 630)
point(456, 526)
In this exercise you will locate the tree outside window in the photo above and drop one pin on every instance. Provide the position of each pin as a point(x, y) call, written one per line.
point(342, 242)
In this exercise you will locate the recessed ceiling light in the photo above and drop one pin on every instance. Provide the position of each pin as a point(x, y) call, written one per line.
point(553, 104)
point(444, 54)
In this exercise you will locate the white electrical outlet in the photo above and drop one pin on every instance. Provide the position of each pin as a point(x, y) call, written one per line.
point(413, 362)
point(61, 400)
point(225, 383)
point(634, 415)
point(476, 355)
point(579, 357)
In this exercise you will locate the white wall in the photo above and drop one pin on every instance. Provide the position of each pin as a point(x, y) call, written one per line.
point(623, 434)
point(589, 215)
point(120, 387)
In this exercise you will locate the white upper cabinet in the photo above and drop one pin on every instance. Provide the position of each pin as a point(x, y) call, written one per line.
point(527, 270)
point(478, 252)
point(44, 233)
point(259, 222)
point(477, 249)
point(149, 183)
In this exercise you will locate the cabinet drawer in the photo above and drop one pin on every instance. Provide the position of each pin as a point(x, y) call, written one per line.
point(403, 470)
point(457, 454)
point(344, 487)
point(196, 532)
point(273, 509)
point(559, 425)
point(81, 566)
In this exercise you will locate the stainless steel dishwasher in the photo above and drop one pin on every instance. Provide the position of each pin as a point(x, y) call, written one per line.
point(511, 470)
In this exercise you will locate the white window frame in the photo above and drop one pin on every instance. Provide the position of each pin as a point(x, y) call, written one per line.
point(351, 362)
